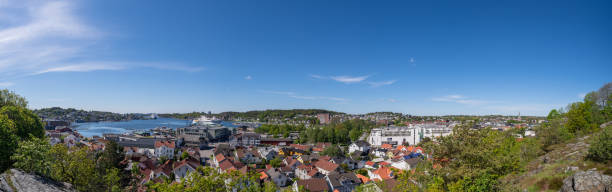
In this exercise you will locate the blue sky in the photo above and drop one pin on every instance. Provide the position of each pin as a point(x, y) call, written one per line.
point(416, 57)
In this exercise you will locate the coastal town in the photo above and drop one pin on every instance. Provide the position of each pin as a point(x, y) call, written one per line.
point(378, 155)
point(305, 96)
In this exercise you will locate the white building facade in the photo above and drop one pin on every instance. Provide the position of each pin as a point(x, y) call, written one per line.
point(410, 135)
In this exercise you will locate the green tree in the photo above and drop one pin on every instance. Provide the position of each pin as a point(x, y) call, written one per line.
point(26, 122)
point(354, 134)
point(111, 180)
point(184, 155)
point(579, 118)
point(332, 151)
point(8, 141)
point(601, 148)
point(33, 156)
point(270, 187)
point(276, 162)
point(111, 157)
point(9, 98)
point(76, 167)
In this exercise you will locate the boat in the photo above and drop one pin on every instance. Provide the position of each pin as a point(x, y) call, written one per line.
point(204, 120)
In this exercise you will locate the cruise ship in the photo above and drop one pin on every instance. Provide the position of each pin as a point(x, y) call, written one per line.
point(204, 120)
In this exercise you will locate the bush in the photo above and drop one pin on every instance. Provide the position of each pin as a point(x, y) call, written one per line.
point(554, 183)
point(601, 148)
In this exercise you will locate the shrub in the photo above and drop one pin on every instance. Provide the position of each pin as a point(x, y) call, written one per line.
point(601, 148)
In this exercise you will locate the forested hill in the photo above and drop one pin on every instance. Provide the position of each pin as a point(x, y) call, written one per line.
point(79, 115)
point(253, 115)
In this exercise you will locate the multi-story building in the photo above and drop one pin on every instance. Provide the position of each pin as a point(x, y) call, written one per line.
point(245, 139)
point(164, 149)
point(201, 135)
point(324, 118)
point(411, 134)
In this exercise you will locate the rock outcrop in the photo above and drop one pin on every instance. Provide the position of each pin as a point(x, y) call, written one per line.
point(15, 180)
point(587, 181)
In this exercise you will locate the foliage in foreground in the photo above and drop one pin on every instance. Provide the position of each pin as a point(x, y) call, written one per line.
point(601, 149)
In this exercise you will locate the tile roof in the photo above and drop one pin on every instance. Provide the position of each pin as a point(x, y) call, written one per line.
point(165, 168)
point(190, 162)
point(220, 157)
point(313, 185)
point(169, 144)
point(386, 146)
point(384, 173)
point(263, 175)
point(363, 178)
point(370, 163)
point(226, 165)
point(326, 165)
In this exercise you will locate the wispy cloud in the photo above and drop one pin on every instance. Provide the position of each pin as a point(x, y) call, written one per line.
point(582, 95)
point(82, 68)
point(6, 84)
point(297, 96)
point(40, 37)
point(382, 83)
point(391, 100)
point(248, 77)
point(459, 99)
point(349, 79)
point(317, 76)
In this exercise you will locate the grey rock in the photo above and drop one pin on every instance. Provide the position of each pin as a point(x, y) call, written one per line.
point(571, 169)
point(15, 180)
point(587, 181)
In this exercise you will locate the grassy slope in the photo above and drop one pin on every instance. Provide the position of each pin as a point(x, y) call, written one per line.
point(546, 173)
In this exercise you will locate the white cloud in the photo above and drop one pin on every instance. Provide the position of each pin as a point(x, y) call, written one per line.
point(248, 77)
point(349, 79)
point(459, 99)
point(382, 83)
point(317, 76)
point(6, 84)
point(582, 95)
point(392, 100)
point(82, 68)
point(297, 96)
point(38, 37)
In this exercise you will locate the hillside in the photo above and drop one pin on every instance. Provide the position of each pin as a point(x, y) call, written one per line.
point(548, 171)
point(70, 114)
point(254, 115)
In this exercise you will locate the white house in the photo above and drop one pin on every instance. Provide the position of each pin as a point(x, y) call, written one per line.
point(184, 168)
point(307, 172)
point(277, 177)
point(54, 140)
point(379, 152)
point(267, 153)
point(164, 149)
point(326, 167)
point(71, 140)
point(400, 164)
point(359, 146)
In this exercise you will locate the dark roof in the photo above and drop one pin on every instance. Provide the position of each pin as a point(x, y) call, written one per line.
point(336, 179)
point(314, 185)
point(275, 139)
point(389, 185)
point(413, 161)
point(361, 143)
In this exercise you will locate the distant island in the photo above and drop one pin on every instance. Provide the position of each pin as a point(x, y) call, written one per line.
point(78, 115)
